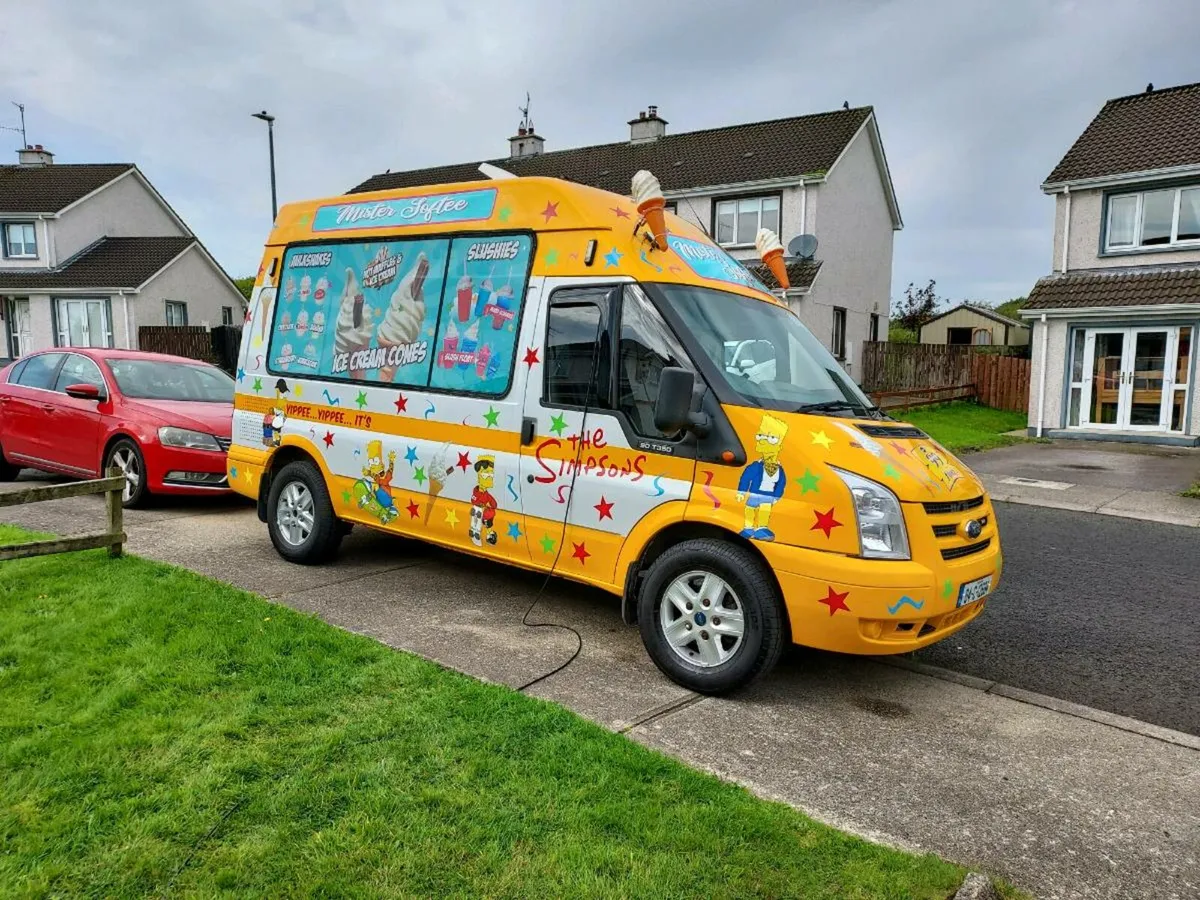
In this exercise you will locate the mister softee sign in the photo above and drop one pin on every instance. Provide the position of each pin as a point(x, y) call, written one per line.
point(432, 209)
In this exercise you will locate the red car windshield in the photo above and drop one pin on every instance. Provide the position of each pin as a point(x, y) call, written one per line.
point(148, 379)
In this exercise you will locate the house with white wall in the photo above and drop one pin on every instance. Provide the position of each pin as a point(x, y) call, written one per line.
point(823, 175)
point(90, 252)
point(1115, 324)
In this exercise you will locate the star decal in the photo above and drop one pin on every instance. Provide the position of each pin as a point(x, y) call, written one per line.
point(835, 601)
point(241, 374)
point(248, 317)
point(250, 477)
point(808, 482)
point(514, 531)
point(451, 518)
point(361, 399)
point(419, 475)
point(531, 357)
point(604, 508)
point(256, 342)
point(413, 509)
point(303, 220)
point(298, 389)
point(948, 588)
point(547, 543)
point(558, 424)
point(890, 471)
point(550, 212)
point(345, 496)
point(826, 522)
point(621, 214)
point(233, 472)
point(328, 439)
point(821, 438)
point(552, 257)
point(612, 258)
point(401, 403)
point(411, 456)
point(492, 416)
point(464, 461)
point(504, 213)
point(258, 385)
point(580, 552)
point(899, 448)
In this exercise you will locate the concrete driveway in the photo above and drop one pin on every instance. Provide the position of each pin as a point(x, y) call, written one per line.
point(1061, 801)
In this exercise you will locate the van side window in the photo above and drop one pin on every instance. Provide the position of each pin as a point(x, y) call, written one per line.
point(647, 347)
point(578, 357)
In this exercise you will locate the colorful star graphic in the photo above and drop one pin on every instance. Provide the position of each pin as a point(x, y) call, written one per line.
point(233, 472)
point(303, 220)
point(531, 357)
point(547, 543)
point(298, 390)
point(558, 424)
point(464, 461)
point(820, 437)
point(256, 342)
point(621, 214)
point(835, 601)
point(826, 522)
point(604, 508)
point(504, 213)
point(514, 531)
point(808, 482)
point(550, 212)
point(249, 475)
point(241, 374)
point(451, 518)
point(899, 448)
point(345, 496)
point(890, 471)
point(612, 258)
point(413, 509)
point(492, 417)
point(580, 552)
point(361, 399)
point(411, 456)
point(551, 257)
point(948, 588)
point(401, 403)
point(258, 385)
point(419, 475)
point(328, 439)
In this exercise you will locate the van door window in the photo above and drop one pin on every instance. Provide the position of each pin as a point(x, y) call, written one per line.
point(578, 357)
point(647, 346)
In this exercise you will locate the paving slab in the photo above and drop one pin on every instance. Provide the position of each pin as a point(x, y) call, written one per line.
point(1143, 467)
point(1148, 506)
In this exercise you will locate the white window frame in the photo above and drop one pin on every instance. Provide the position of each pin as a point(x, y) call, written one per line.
point(8, 254)
point(63, 329)
point(226, 314)
point(176, 305)
point(736, 201)
point(839, 353)
point(1137, 246)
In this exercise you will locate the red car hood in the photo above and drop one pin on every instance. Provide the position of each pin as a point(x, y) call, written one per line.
point(211, 418)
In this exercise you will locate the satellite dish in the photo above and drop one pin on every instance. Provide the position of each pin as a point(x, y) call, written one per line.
point(495, 173)
point(803, 246)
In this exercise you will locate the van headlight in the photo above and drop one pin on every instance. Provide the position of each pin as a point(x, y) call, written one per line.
point(881, 531)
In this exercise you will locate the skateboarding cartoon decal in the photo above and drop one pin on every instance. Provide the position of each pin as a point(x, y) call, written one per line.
point(374, 489)
point(483, 504)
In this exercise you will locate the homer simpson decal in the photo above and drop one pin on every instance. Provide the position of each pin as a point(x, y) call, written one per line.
point(763, 481)
point(483, 504)
point(374, 489)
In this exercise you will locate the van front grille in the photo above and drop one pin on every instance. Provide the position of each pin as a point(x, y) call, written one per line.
point(968, 550)
point(944, 531)
point(952, 506)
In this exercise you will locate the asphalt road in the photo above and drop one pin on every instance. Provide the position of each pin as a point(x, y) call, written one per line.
point(1093, 609)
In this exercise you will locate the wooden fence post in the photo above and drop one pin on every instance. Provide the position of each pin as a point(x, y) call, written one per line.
point(116, 512)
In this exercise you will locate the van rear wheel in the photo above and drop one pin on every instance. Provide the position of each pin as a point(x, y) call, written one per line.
point(300, 517)
point(711, 616)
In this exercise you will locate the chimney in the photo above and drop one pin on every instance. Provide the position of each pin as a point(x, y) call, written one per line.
point(647, 126)
point(35, 155)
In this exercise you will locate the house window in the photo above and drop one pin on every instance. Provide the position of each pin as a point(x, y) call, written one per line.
point(874, 327)
point(1159, 218)
point(839, 333)
point(83, 323)
point(671, 206)
point(738, 220)
point(176, 312)
point(226, 315)
point(20, 240)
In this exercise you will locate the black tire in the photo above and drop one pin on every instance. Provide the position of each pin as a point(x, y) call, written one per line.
point(324, 537)
point(127, 455)
point(8, 471)
point(765, 631)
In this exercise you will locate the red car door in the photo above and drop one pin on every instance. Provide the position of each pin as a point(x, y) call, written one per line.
point(27, 409)
point(75, 422)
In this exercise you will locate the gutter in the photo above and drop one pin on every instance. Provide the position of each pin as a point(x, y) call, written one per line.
point(1100, 312)
point(1042, 376)
point(1054, 187)
point(716, 189)
point(1066, 229)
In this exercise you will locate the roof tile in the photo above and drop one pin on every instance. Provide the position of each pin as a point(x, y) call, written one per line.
point(123, 262)
point(49, 189)
point(801, 273)
point(1145, 288)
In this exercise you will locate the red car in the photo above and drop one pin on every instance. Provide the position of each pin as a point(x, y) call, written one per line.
point(165, 421)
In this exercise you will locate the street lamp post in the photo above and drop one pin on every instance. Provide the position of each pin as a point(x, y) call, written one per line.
point(270, 120)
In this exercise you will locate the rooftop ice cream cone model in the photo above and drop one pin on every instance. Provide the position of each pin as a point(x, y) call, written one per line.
point(648, 195)
point(353, 330)
point(406, 313)
point(771, 251)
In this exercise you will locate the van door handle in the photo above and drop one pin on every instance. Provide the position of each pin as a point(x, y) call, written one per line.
point(528, 431)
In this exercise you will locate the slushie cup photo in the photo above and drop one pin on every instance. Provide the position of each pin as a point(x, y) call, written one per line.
point(485, 294)
point(502, 299)
point(466, 287)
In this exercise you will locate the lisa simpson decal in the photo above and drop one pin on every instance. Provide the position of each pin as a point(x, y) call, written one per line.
point(762, 482)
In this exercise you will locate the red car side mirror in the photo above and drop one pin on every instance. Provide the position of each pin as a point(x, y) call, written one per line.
point(83, 391)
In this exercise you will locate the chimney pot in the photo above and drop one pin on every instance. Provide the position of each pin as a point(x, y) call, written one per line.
point(647, 127)
point(653, 111)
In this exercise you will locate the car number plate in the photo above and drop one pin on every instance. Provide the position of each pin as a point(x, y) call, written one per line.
point(974, 590)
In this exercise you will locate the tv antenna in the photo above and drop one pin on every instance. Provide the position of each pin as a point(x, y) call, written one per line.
point(21, 108)
point(526, 122)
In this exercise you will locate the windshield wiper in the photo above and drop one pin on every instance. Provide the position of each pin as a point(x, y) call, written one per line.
point(829, 406)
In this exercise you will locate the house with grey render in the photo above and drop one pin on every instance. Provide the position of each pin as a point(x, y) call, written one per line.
point(1115, 324)
point(823, 175)
point(88, 253)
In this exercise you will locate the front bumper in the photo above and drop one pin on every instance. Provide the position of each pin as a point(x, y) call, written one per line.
point(865, 606)
point(177, 470)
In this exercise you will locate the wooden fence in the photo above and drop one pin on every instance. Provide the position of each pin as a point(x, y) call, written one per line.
point(999, 380)
point(192, 341)
point(113, 537)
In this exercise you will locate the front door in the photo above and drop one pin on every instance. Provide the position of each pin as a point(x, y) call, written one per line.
point(17, 326)
point(1129, 378)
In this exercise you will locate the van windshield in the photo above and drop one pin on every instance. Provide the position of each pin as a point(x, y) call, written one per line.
point(764, 353)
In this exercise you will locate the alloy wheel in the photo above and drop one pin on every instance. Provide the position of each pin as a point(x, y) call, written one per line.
point(702, 619)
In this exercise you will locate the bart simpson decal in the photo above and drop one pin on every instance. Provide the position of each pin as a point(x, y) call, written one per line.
point(483, 504)
point(942, 472)
point(375, 488)
point(763, 481)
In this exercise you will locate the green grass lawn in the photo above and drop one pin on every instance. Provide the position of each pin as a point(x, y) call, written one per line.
point(961, 427)
point(164, 733)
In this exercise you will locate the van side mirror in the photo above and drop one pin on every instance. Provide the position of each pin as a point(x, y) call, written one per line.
point(673, 407)
point(83, 392)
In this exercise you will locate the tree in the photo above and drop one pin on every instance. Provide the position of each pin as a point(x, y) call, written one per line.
point(1011, 307)
point(917, 307)
point(245, 285)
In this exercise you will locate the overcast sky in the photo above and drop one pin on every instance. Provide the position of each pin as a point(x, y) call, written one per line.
point(976, 102)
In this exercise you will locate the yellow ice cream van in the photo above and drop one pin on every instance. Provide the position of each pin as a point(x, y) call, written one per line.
point(575, 382)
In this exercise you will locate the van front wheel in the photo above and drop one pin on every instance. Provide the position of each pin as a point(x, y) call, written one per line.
point(710, 616)
point(300, 517)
